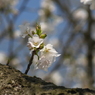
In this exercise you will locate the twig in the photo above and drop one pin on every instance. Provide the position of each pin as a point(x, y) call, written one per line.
point(30, 62)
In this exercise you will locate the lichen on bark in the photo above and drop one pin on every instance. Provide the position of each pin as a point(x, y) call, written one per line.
point(13, 82)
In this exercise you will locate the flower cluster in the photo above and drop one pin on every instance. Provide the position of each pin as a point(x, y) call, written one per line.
point(90, 2)
point(46, 53)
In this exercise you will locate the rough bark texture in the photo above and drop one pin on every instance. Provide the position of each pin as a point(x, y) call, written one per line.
point(13, 82)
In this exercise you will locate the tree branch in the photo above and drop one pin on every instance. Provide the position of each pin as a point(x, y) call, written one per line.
point(30, 62)
point(13, 82)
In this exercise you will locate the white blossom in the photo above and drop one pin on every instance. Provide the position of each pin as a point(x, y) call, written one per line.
point(43, 63)
point(48, 4)
point(26, 30)
point(47, 56)
point(80, 14)
point(49, 50)
point(90, 2)
point(34, 42)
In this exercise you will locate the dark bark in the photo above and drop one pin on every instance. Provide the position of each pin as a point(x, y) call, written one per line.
point(13, 82)
point(90, 45)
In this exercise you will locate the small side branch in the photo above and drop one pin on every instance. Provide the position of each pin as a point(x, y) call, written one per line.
point(30, 62)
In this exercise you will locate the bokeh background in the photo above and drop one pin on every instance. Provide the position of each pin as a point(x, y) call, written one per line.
point(70, 27)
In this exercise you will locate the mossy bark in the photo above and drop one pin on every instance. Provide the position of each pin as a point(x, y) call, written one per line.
point(13, 82)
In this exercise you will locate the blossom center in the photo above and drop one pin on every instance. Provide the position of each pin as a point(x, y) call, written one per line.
point(36, 43)
point(46, 50)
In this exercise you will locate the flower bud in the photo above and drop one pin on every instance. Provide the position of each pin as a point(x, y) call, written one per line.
point(38, 30)
point(43, 36)
point(33, 32)
point(41, 46)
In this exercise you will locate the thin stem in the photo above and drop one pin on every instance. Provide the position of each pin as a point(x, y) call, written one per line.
point(30, 62)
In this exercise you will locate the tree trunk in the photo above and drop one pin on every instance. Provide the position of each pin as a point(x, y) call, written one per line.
point(90, 45)
point(13, 82)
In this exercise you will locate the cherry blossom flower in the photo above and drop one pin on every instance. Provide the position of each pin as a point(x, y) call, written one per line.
point(34, 42)
point(49, 50)
point(26, 30)
point(43, 63)
point(47, 56)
